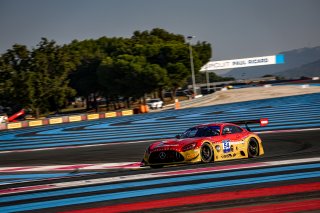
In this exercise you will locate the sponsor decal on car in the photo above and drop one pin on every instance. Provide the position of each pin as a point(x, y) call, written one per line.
point(191, 156)
point(228, 155)
point(226, 146)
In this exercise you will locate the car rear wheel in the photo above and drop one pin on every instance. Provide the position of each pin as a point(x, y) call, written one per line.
point(253, 148)
point(206, 153)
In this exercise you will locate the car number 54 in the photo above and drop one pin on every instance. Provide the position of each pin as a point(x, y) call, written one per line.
point(226, 146)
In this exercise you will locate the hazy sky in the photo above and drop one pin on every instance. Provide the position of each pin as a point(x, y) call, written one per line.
point(235, 28)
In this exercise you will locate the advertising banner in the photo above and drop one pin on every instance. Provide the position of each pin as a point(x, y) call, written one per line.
point(57, 120)
point(74, 118)
point(127, 112)
point(14, 125)
point(93, 116)
point(244, 62)
point(35, 123)
point(110, 114)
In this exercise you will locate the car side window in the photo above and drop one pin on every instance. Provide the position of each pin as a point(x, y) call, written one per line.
point(213, 131)
point(237, 129)
point(205, 131)
point(232, 130)
point(190, 133)
point(226, 130)
point(208, 132)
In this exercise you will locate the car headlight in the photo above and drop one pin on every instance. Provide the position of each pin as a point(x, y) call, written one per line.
point(189, 147)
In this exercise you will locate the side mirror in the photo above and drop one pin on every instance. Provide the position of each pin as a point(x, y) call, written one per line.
point(178, 136)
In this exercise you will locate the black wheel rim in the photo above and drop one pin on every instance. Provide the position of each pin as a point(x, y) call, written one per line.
point(253, 148)
point(206, 153)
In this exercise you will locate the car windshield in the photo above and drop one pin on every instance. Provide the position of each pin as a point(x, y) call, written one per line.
point(202, 131)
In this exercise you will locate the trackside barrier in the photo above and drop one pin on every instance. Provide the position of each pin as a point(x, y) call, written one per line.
point(55, 120)
point(74, 118)
point(64, 119)
point(110, 114)
point(177, 104)
point(45, 121)
point(93, 116)
point(127, 112)
point(35, 123)
point(25, 123)
point(14, 125)
point(144, 108)
point(3, 126)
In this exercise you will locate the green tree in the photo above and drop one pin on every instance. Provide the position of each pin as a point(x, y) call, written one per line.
point(87, 55)
point(36, 79)
point(14, 69)
point(204, 51)
point(48, 83)
point(149, 61)
point(171, 52)
point(129, 76)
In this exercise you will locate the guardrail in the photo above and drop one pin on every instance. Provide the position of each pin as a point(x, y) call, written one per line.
point(63, 119)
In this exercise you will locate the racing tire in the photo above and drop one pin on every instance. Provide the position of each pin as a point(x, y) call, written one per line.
point(253, 148)
point(206, 153)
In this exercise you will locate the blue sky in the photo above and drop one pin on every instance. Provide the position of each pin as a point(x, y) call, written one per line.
point(235, 28)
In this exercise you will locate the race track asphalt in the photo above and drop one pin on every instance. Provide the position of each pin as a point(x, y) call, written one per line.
point(277, 145)
point(285, 179)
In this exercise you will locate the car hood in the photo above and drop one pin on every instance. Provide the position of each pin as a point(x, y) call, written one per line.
point(173, 144)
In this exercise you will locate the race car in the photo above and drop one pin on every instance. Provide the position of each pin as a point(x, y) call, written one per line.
point(207, 143)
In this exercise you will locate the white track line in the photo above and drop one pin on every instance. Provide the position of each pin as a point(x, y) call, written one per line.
point(55, 168)
point(153, 175)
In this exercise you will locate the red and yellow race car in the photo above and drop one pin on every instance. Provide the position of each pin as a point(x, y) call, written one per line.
point(207, 143)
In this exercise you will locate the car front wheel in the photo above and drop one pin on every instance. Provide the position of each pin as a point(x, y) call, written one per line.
point(206, 153)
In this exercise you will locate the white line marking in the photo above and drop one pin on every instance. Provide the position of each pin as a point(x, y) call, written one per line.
point(123, 165)
point(152, 175)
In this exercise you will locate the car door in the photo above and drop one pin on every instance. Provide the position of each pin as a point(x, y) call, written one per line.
point(229, 135)
point(239, 133)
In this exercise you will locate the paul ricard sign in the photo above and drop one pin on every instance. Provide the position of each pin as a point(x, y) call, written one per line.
point(244, 62)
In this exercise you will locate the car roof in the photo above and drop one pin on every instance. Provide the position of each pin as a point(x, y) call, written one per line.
point(215, 124)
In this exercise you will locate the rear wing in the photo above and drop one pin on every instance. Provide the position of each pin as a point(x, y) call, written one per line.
point(261, 121)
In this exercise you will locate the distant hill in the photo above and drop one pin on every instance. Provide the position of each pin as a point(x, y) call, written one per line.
point(293, 59)
point(308, 70)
